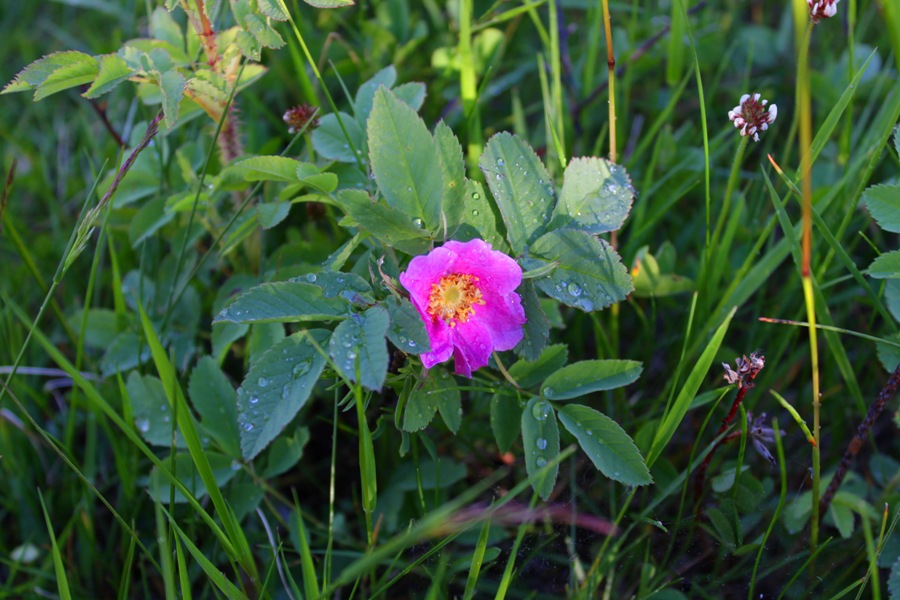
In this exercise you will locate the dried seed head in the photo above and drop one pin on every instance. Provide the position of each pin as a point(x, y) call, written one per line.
point(751, 116)
point(821, 9)
point(298, 116)
point(747, 369)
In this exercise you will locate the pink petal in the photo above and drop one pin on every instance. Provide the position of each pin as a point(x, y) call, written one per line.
point(472, 342)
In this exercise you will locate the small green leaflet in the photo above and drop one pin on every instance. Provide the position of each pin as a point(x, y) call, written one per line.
point(390, 225)
point(537, 327)
point(329, 139)
point(540, 439)
point(506, 420)
point(587, 376)
point(886, 266)
point(883, 202)
point(407, 331)
point(284, 301)
point(529, 373)
point(358, 346)
point(596, 196)
point(216, 402)
point(607, 445)
point(330, 3)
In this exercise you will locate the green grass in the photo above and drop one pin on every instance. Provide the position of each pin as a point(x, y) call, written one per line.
point(346, 503)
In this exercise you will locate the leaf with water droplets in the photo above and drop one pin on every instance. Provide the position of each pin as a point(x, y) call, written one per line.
point(407, 331)
point(596, 196)
point(590, 274)
point(478, 219)
point(520, 185)
point(358, 347)
point(152, 412)
point(529, 373)
point(404, 159)
point(589, 376)
point(390, 225)
point(540, 439)
point(330, 141)
point(506, 420)
point(607, 445)
point(454, 176)
point(448, 400)
point(537, 327)
point(277, 387)
point(216, 402)
point(349, 286)
point(285, 301)
point(424, 400)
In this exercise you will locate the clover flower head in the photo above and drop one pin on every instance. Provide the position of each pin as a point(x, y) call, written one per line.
point(298, 116)
point(748, 367)
point(821, 9)
point(751, 116)
point(465, 294)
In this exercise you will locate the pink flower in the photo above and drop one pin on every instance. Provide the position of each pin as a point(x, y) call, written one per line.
point(465, 294)
point(751, 115)
point(821, 9)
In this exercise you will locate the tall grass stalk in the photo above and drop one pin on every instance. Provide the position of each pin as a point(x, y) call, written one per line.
point(468, 87)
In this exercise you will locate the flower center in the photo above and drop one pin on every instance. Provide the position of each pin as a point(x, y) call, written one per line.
point(453, 298)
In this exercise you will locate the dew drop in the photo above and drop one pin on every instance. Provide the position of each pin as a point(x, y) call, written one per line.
point(541, 410)
point(261, 382)
point(499, 176)
point(311, 277)
point(248, 427)
point(475, 212)
point(541, 462)
point(143, 425)
point(541, 444)
point(589, 432)
point(255, 399)
point(574, 289)
point(549, 392)
point(235, 465)
point(476, 196)
point(500, 162)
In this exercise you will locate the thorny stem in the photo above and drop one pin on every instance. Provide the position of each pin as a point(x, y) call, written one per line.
point(204, 31)
point(886, 393)
point(726, 422)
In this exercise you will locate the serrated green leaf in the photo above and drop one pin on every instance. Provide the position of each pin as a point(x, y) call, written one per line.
point(407, 331)
point(506, 420)
point(883, 202)
point(590, 274)
point(330, 142)
point(521, 187)
point(271, 214)
point(349, 286)
point(164, 27)
point(277, 387)
point(588, 376)
point(365, 95)
point(887, 354)
point(607, 445)
point(358, 344)
point(171, 84)
point(148, 220)
point(388, 224)
point(68, 76)
point(540, 440)
point(285, 452)
point(537, 327)
point(263, 32)
point(311, 176)
point(330, 3)
point(412, 94)
point(722, 526)
point(894, 578)
point(160, 488)
point(478, 219)
point(272, 9)
point(404, 159)
point(886, 266)
point(113, 71)
point(152, 413)
point(249, 46)
point(286, 301)
point(453, 171)
point(425, 399)
point(449, 402)
point(552, 359)
point(596, 196)
point(216, 402)
point(843, 519)
point(261, 168)
point(37, 72)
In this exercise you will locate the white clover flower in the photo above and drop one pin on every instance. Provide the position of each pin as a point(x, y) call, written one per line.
point(821, 9)
point(751, 116)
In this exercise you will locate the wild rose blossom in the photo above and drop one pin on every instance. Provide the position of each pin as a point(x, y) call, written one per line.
point(751, 115)
point(821, 9)
point(465, 294)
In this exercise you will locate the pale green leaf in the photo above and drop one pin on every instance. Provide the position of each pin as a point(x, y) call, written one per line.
point(404, 159)
point(286, 301)
point(478, 219)
point(263, 32)
point(261, 168)
point(277, 387)
point(37, 72)
point(68, 76)
point(113, 71)
point(331, 143)
point(423, 401)
point(285, 452)
point(590, 274)
point(160, 488)
point(164, 27)
point(883, 202)
point(216, 402)
point(330, 3)
point(588, 376)
point(453, 171)
point(607, 445)
point(358, 346)
point(271, 214)
point(272, 9)
point(388, 224)
point(540, 440)
point(365, 95)
point(506, 420)
point(407, 330)
point(152, 413)
point(521, 187)
point(596, 196)
point(537, 326)
point(530, 373)
point(886, 266)
point(171, 84)
point(411, 93)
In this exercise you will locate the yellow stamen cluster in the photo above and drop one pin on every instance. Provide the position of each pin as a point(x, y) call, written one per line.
point(453, 299)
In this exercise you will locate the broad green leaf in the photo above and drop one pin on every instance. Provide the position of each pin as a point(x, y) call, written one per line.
point(448, 400)
point(506, 420)
point(160, 488)
point(607, 445)
point(263, 32)
point(537, 327)
point(313, 177)
point(843, 519)
point(152, 413)
point(349, 286)
point(540, 440)
point(588, 376)
point(101, 327)
point(411, 93)
point(285, 453)
point(271, 214)
point(164, 27)
point(407, 331)
point(286, 301)
point(404, 159)
point(887, 354)
point(272, 9)
point(453, 169)
point(478, 219)
point(330, 3)
point(422, 404)
point(277, 387)
point(248, 45)
point(216, 402)
point(649, 281)
point(113, 71)
point(37, 72)
point(392, 226)
point(590, 275)
point(552, 359)
point(358, 344)
point(68, 76)
point(148, 220)
point(331, 143)
point(365, 95)
point(596, 196)
point(521, 187)
point(262, 168)
point(883, 202)
point(428, 473)
point(886, 266)
point(171, 84)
